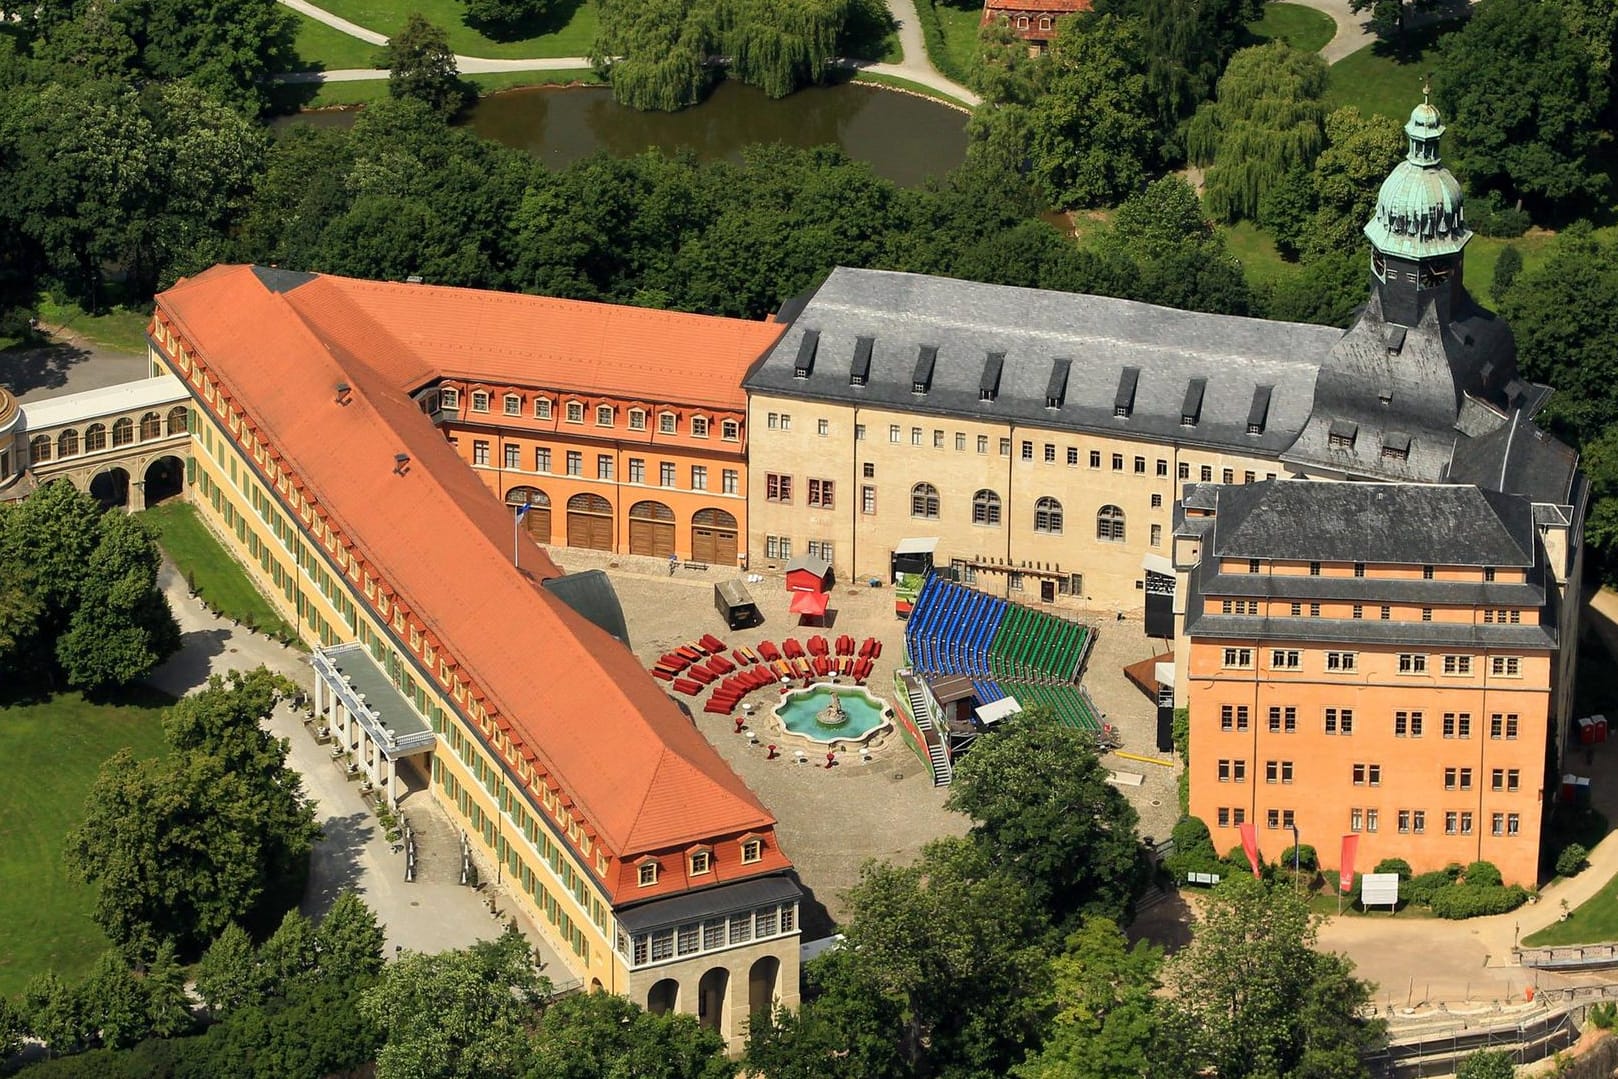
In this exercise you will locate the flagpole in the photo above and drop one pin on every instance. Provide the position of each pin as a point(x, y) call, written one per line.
point(516, 515)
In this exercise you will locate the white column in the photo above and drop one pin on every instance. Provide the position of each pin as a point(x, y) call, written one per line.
point(393, 785)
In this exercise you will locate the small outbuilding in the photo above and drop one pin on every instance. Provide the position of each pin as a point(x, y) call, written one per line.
point(809, 573)
point(735, 604)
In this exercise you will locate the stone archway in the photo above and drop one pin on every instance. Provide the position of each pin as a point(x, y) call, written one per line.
point(712, 994)
point(763, 984)
point(164, 478)
point(664, 997)
point(110, 488)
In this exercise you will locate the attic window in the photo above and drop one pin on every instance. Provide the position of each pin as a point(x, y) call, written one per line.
point(1396, 446)
point(804, 365)
point(1191, 410)
point(922, 380)
point(1123, 404)
point(1260, 410)
point(989, 385)
point(701, 862)
point(1056, 391)
point(646, 873)
point(1341, 434)
point(859, 373)
point(752, 851)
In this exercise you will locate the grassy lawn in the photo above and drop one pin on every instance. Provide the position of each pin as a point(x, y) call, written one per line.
point(1594, 920)
point(321, 48)
point(1303, 28)
point(1374, 80)
point(122, 328)
point(906, 84)
point(957, 24)
point(569, 31)
point(1255, 250)
point(52, 752)
point(218, 579)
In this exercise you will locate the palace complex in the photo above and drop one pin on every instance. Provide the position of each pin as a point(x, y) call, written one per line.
point(1366, 550)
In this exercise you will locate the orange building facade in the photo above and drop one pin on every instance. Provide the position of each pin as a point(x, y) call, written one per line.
point(1404, 701)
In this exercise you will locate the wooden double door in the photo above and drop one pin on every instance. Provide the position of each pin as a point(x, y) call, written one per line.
point(651, 529)
point(714, 538)
point(589, 522)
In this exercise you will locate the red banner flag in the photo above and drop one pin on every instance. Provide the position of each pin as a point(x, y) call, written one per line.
point(1249, 833)
point(1351, 848)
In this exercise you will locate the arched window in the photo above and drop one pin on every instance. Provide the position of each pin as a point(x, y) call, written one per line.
point(67, 443)
point(1022, 22)
point(123, 432)
point(924, 501)
point(1110, 524)
point(1048, 516)
point(39, 448)
point(985, 508)
point(1044, 22)
point(95, 438)
point(151, 426)
point(177, 420)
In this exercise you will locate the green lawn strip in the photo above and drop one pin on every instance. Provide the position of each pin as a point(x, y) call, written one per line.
point(570, 31)
point(1255, 250)
point(52, 752)
point(1375, 80)
point(897, 83)
point(1303, 28)
point(221, 583)
point(1325, 903)
point(1593, 921)
point(322, 48)
point(950, 33)
point(344, 94)
point(122, 328)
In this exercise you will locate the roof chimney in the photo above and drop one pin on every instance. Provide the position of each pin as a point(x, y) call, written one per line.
point(343, 390)
point(401, 463)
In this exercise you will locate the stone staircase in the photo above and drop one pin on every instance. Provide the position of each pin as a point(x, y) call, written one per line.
point(942, 772)
point(438, 842)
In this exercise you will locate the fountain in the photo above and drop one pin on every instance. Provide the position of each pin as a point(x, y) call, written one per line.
point(828, 713)
point(832, 715)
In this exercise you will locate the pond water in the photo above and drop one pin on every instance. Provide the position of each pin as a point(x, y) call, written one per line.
point(903, 137)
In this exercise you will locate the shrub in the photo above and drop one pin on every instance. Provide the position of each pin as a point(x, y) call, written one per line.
point(1472, 901)
point(1191, 836)
point(1424, 886)
point(1394, 865)
point(1482, 875)
point(1306, 858)
point(1486, 1064)
point(1603, 1015)
point(1571, 860)
point(1490, 216)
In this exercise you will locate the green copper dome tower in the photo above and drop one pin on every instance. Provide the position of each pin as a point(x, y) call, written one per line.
point(1419, 230)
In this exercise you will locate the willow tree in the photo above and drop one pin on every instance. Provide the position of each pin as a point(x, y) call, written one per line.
point(655, 51)
point(780, 45)
point(1267, 118)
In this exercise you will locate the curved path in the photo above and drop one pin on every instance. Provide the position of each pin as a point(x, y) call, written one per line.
point(915, 67)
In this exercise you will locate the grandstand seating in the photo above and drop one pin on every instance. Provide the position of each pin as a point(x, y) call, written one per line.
point(1005, 649)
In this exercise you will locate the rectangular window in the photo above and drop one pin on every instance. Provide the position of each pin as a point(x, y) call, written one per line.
point(575, 463)
point(1457, 664)
point(1095, 458)
point(699, 477)
point(480, 452)
point(1205, 473)
point(1412, 663)
point(1404, 821)
point(1356, 820)
point(542, 459)
point(513, 455)
point(1341, 661)
point(1513, 824)
point(820, 493)
point(777, 487)
point(983, 443)
point(1407, 724)
point(699, 425)
point(1183, 470)
point(960, 441)
point(1238, 657)
point(1233, 717)
point(1286, 659)
point(1140, 466)
point(1451, 822)
point(822, 428)
point(1457, 725)
point(915, 436)
point(603, 466)
point(868, 499)
point(637, 470)
point(1339, 721)
point(1156, 535)
point(1386, 613)
point(665, 474)
point(1027, 449)
point(893, 433)
point(1283, 720)
point(1505, 666)
point(859, 432)
point(730, 481)
point(1117, 462)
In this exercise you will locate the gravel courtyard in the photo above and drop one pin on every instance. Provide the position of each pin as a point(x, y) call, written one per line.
point(833, 820)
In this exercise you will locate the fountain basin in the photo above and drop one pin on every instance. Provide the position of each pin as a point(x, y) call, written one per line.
point(809, 713)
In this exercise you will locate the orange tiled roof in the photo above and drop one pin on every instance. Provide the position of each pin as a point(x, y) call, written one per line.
point(641, 773)
point(1052, 7)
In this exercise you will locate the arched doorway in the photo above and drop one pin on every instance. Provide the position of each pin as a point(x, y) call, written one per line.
point(713, 537)
point(664, 997)
point(165, 478)
point(711, 994)
point(589, 522)
point(763, 981)
point(538, 518)
point(651, 529)
point(110, 488)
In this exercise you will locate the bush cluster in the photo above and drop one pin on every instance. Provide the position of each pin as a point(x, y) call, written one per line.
point(1472, 900)
point(1491, 216)
point(1572, 859)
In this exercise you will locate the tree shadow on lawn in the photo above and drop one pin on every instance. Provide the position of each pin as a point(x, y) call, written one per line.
point(336, 866)
point(39, 367)
point(556, 16)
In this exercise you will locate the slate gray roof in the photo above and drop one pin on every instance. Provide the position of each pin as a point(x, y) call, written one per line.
point(1520, 458)
point(590, 593)
point(1461, 635)
point(1413, 524)
point(960, 336)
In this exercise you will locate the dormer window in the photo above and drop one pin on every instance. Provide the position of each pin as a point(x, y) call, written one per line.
point(1341, 434)
point(449, 397)
point(1123, 402)
point(1396, 446)
point(646, 873)
point(752, 850)
point(637, 419)
point(859, 371)
point(989, 385)
point(603, 415)
point(922, 379)
point(804, 365)
point(542, 408)
point(575, 412)
point(701, 862)
point(699, 427)
point(480, 401)
point(730, 431)
point(1056, 388)
point(1191, 407)
point(665, 423)
point(513, 403)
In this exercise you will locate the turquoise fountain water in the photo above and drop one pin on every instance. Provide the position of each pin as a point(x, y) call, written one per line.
point(829, 714)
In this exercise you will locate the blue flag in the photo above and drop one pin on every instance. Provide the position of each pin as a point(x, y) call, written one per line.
point(523, 509)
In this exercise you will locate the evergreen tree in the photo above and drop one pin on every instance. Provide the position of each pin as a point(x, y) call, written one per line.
point(422, 67)
point(228, 975)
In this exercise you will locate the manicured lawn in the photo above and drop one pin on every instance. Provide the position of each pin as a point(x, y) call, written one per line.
point(1375, 80)
point(52, 753)
point(218, 579)
point(321, 48)
point(569, 31)
point(1303, 28)
point(906, 84)
point(1594, 920)
point(1255, 250)
point(958, 24)
point(122, 328)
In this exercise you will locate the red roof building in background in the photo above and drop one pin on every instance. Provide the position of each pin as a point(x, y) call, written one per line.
point(317, 459)
point(1032, 20)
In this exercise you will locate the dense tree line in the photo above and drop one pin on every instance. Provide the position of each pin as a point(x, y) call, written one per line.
point(79, 602)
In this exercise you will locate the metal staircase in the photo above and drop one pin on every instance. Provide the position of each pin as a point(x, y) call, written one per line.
point(942, 772)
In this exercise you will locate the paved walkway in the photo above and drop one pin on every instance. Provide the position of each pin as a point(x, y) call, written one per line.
point(426, 916)
point(915, 66)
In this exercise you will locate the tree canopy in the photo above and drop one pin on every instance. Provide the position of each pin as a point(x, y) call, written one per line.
point(421, 66)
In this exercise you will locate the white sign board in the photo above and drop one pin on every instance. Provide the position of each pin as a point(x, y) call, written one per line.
point(1379, 889)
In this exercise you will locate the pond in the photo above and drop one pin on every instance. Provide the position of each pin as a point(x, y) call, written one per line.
point(905, 138)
